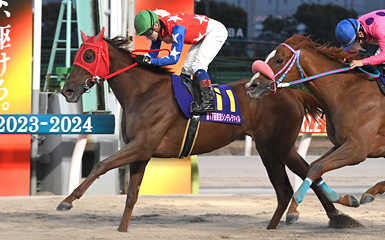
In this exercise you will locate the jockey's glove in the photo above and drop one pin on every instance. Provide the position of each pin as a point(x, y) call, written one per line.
point(142, 59)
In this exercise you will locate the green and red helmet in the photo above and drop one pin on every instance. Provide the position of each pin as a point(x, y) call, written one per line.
point(144, 20)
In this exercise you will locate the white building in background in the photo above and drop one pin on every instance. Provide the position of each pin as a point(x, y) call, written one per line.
point(259, 10)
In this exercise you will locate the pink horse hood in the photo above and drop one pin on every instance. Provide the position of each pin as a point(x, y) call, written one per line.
point(262, 67)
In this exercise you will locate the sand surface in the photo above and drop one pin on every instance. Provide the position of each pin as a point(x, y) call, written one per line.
point(179, 217)
point(244, 215)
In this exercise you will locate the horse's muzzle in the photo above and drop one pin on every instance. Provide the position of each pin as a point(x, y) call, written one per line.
point(256, 90)
point(71, 96)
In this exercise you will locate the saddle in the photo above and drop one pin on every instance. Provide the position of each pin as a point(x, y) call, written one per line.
point(186, 91)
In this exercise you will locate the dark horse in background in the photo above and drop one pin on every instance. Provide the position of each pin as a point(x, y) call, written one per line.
point(353, 104)
point(153, 125)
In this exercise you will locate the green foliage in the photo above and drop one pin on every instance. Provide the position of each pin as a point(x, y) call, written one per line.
point(274, 25)
point(230, 15)
point(321, 20)
point(279, 27)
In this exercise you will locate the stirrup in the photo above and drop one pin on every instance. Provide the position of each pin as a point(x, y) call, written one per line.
point(194, 108)
point(205, 107)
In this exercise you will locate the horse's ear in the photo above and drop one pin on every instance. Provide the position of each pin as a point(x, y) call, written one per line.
point(84, 37)
point(99, 36)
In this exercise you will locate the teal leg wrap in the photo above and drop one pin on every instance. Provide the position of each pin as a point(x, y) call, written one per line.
point(330, 194)
point(300, 193)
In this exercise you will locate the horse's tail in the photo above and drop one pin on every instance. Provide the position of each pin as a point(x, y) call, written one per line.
point(311, 105)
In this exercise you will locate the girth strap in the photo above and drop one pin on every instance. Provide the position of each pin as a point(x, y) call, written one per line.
point(189, 136)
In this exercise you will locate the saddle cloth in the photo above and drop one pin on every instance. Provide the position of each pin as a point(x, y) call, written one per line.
point(228, 110)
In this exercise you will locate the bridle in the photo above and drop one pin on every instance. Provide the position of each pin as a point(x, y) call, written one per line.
point(288, 66)
point(99, 80)
point(102, 59)
point(369, 70)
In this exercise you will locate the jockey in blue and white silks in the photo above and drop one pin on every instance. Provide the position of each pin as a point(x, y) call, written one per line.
point(205, 35)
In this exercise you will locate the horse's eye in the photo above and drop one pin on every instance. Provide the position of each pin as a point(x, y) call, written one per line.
point(279, 61)
point(89, 56)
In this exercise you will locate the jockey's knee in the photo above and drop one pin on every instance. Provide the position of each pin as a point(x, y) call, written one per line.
point(187, 70)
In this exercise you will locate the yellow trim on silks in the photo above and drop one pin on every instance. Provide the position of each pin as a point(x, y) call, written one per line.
point(232, 100)
point(184, 138)
point(219, 99)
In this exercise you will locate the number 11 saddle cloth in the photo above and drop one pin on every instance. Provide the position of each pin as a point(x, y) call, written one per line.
point(228, 110)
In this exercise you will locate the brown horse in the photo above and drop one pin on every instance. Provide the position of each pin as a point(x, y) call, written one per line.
point(154, 126)
point(352, 102)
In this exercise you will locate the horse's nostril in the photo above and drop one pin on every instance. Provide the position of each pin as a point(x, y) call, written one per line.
point(67, 93)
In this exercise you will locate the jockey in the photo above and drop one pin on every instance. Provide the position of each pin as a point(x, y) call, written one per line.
point(370, 28)
point(206, 36)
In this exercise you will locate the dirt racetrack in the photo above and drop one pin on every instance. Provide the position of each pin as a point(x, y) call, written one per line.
point(203, 216)
point(179, 217)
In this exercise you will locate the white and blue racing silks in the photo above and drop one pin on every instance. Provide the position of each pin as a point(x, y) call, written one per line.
point(178, 32)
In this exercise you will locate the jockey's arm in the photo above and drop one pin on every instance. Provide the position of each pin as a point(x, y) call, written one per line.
point(155, 45)
point(178, 32)
point(379, 58)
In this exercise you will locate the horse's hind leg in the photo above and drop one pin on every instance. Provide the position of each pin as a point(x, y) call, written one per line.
point(371, 193)
point(136, 177)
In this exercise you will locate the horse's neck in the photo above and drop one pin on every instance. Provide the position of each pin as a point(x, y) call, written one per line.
point(323, 94)
point(125, 84)
point(135, 83)
point(326, 89)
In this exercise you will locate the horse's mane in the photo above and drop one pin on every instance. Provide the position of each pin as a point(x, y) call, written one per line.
point(333, 53)
point(121, 43)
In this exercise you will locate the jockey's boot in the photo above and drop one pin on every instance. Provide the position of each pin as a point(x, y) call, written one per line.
point(207, 92)
point(208, 103)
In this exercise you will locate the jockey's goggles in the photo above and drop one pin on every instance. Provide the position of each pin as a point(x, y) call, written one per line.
point(148, 33)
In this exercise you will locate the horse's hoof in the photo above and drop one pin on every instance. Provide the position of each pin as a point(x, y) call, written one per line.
point(291, 218)
point(64, 206)
point(367, 198)
point(341, 220)
point(353, 201)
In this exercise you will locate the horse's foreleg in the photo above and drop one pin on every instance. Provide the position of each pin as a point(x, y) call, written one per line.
point(284, 193)
point(300, 167)
point(300, 193)
point(371, 193)
point(136, 177)
point(332, 196)
point(278, 178)
point(66, 204)
point(347, 154)
point(292, 214)
point(118, 159)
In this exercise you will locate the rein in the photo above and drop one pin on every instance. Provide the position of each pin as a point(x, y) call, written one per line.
point(100, 80)
point(295, 58)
